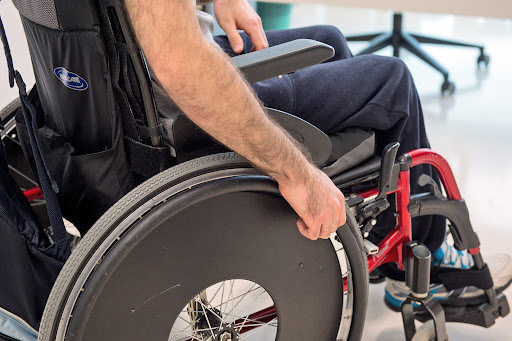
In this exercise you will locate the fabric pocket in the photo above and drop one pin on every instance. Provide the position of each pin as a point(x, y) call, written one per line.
point(88, 183)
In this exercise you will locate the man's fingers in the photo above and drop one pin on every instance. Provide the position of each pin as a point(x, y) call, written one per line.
point(306, 231)
point(264, 36)
point(259, 39)
point(254, 29)
point(343, 213)
point(325, 234)
point(303, 228)
point(235, 40)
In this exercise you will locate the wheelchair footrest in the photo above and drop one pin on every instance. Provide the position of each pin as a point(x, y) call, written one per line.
point(483, 315)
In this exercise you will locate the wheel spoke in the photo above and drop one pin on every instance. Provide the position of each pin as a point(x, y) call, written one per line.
point(203, 306)
point(190, 325)
point(249, 291)
point(241, 315)
point(252, 305)
point(206, 315)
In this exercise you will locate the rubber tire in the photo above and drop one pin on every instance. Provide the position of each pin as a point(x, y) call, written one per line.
point(140, 196)
point(10, 110)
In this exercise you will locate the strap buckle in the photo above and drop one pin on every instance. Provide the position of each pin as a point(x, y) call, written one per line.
point(20, 83)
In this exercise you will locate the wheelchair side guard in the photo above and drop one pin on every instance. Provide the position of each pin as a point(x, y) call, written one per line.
point(192, 142)
point(316, 142)
point(281, 59)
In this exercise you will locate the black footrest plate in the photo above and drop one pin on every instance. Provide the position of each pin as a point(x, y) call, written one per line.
point(483, 315)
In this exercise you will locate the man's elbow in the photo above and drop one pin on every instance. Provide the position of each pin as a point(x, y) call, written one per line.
point(178, 62)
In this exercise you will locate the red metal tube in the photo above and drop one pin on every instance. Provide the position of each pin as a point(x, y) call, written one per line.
point(428, 156)
point(33, 194)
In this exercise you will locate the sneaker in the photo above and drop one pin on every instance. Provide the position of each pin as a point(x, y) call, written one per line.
point(500, 266)
point(448, 256)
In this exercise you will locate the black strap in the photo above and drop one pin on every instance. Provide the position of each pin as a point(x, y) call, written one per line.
point(127, 118)
point(48, 185)
point(127, 48)
point(149, 132)
point(458, 278)
point(3, 156)
point(8, 56)
point(146, 160)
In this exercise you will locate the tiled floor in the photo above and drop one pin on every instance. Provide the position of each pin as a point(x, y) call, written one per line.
point(472, 129)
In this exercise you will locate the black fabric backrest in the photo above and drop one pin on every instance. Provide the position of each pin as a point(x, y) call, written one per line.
point(72, 72)
point(42, 12)
point(59, 14)
point(77, 110)
point(94, 102)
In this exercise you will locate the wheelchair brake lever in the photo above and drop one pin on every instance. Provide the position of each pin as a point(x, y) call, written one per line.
point(386, 169)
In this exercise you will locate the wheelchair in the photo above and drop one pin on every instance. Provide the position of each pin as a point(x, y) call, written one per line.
point(198, 245)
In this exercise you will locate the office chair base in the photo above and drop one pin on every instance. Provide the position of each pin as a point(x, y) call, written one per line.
point(398, 38)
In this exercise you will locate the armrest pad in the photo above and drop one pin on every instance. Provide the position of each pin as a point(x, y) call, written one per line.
point(282, 59)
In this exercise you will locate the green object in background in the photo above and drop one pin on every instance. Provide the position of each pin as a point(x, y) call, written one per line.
point(274, 16)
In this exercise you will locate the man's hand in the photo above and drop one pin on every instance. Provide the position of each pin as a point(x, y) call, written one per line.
point(233, 15)
point(318, 202)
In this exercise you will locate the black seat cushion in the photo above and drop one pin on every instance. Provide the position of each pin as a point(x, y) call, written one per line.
point(336, 153)
point(350, 147)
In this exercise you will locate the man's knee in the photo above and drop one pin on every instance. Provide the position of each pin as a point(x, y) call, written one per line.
point(328, 31)
point(332, 36)
point(392, 69)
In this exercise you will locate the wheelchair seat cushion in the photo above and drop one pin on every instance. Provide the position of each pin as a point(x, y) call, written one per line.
point(350, 147)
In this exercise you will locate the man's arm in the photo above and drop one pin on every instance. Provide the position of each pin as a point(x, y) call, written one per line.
point(210, 91)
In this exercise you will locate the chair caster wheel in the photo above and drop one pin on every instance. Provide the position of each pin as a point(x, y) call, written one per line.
point(483, 58)
point(448, 87)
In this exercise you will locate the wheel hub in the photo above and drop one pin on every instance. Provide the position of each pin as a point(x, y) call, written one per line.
point(226, 332)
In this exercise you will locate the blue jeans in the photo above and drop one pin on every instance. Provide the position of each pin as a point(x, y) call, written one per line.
point(368, 91)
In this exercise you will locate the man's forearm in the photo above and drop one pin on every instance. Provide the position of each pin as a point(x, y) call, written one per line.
point(211, 92)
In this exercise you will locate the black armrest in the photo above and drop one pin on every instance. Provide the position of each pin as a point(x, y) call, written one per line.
point(281, 59)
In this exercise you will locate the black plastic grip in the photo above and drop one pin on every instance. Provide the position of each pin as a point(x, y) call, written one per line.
point(282, 59)
point(417, 268)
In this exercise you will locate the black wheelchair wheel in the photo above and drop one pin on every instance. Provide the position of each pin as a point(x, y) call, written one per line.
point(207, 250)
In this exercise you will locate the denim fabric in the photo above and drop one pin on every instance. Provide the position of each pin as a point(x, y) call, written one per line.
point(368, 91)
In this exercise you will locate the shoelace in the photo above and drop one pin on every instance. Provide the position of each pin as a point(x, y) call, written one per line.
point(454, 257)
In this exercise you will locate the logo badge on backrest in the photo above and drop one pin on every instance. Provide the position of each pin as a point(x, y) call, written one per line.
point(70, 79)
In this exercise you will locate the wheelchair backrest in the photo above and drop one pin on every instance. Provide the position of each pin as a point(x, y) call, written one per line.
point(71, 71)
point(96, 112)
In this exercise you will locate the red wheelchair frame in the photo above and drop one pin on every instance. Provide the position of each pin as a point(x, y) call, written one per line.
point(391, 248)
